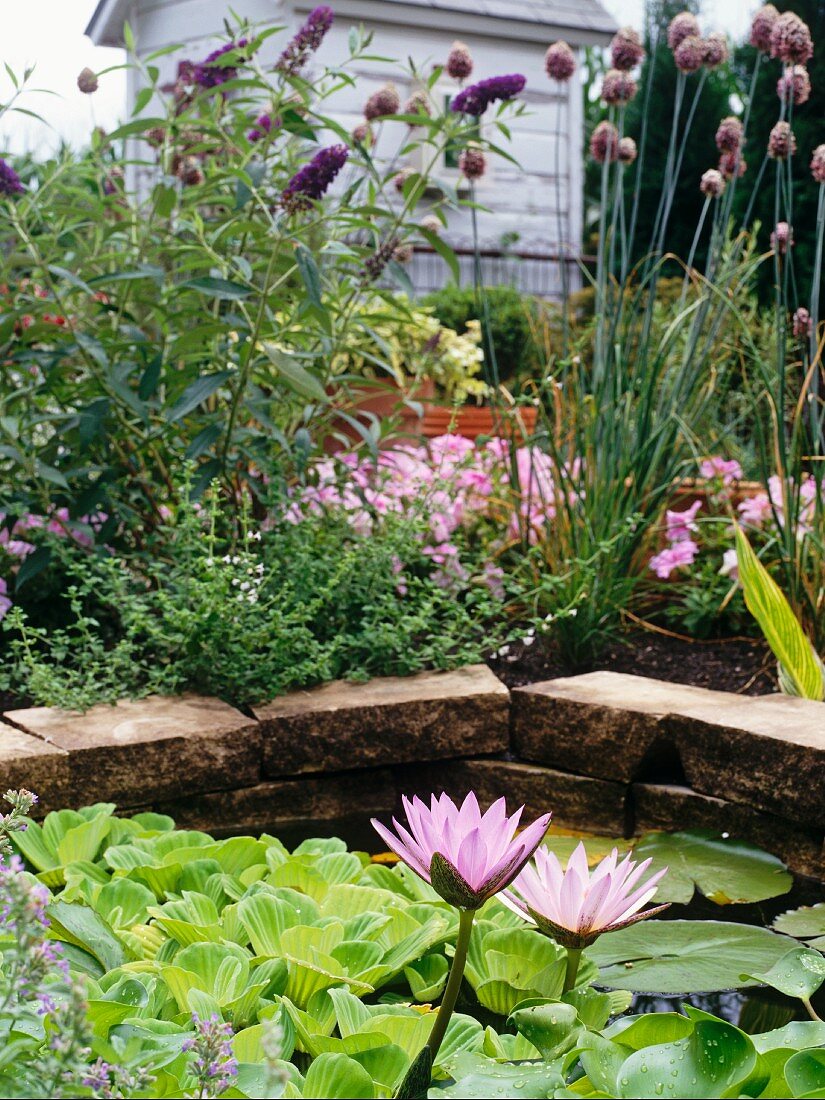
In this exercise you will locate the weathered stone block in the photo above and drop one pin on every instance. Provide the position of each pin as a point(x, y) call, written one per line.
point(605, 724)
point(655, 806)
point(577, 801)
point(431, 716)
point(768, 752)
point(292, 809)
point(143, 749)
point(41, 768)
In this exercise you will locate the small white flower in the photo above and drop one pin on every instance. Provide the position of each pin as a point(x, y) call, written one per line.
point(245, 586)
point(226, 559)
point(505, 649)
point(254, 536)
point(528, 639)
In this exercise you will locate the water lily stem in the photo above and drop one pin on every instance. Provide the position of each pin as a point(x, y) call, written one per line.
point(809, 1008)
point(574, 957)
point(465, 928)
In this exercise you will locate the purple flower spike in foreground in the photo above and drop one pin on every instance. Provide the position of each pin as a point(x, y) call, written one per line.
point(467, 856)
point(478, 97)
point(576, 906)
point(209, 73)
point(9, 180)
point(299, 49)
point(314, 179)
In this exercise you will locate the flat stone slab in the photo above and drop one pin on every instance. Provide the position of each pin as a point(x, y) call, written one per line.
point(39, 767)
point(669, 807)
point(142, 749)
point(391, 720)
point(601, 724)
point(768, 752)
point(577, 801)
point(292, 809)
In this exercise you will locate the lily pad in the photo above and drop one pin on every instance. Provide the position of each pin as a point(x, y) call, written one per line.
point(807, 923)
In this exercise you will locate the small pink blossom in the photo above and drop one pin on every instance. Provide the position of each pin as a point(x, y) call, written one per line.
point(5, 602)
point(677, 556)
point(679, 526)
point(730, 565)
point(755, 510)
point(727, 469)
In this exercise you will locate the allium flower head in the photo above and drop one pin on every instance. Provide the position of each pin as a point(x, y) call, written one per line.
point(386, 101)
point(418, 104)
point(732, 164)
point(791, 40)
point(802, 323)
point(782, 238)
point(682, 26)
point(87, 81)
point(314, 179)
point(432, 224)
point(465, 855)
point(761, 27)
point(716, 50)
point(689, 55)
point(262, 127)
point(559, 62)
point(577, 905)
point(478, 97)
point(9, 180)
point(729, 134)
point(818, 164)
point(459, 62)
point(794, 86)
point(604, 142)
point(627, 150)
point(712, 183)
point(617, 87)
point(300, 48)
point(472, 162)
point(626, 49)
point(781, 142)
point(209, 73)
point(361, 133)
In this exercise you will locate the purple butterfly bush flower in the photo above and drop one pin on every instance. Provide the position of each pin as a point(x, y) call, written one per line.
point(466, 856)
point(209, 73)
point(9, 180)
point(478, 97)
point(559, 62)
point(762, 25)
point(312, 182)
point(577, 905)
point(300, 48)
point(262, 127)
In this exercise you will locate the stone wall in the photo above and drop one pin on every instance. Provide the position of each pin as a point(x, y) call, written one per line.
point(608, 753)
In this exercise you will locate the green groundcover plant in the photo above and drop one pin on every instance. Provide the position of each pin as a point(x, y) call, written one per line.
point(144, 960)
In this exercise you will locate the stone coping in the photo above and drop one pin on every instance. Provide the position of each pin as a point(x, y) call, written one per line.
point(608, 752)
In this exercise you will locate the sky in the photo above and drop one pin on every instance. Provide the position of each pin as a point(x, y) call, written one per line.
point(49, 35)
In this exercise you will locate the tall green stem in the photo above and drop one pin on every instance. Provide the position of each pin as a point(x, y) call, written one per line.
point(574, 957)
point(465, 928)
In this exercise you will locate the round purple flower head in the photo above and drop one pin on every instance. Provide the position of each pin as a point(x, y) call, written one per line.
point(477, 98)
point(818, 164)
point(386, 101)
point(472, 163)
point(87, 81)
point(618, 87)
point(209, 73)
point(729, 135)
point(263, 125)
point(794, 86)
point(559, 62)
point(689, 55)
point(300, 48)
point(791, 40)
point(418, 104)
point(802, 324)
point(782, 238)
point(626, 49)
point(716, 50)
point(627, 150)
point(314, 179)
point(362, 134)
point(761, 27)
point(732, 164)
point(604, 142)
point(459, 62)
point(9, 180)
point(682, 26)
point(781, 142)
point(712, 183)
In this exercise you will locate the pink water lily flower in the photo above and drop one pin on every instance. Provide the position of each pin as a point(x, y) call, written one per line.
point(467, 856)
point(576, 906)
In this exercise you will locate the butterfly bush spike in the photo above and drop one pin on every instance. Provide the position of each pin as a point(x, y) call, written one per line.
point(465, 855)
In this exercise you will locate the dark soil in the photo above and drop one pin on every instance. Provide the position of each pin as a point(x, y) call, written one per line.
point(740, 665)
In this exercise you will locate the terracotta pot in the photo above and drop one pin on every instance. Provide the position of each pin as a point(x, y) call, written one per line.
point(381, 401)
point(471, 421)
point(698, 488)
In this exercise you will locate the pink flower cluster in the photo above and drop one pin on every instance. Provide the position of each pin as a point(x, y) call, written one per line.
point(763, 507)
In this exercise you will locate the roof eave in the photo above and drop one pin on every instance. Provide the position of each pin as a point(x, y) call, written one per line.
point(105, 28)
point(521, 30)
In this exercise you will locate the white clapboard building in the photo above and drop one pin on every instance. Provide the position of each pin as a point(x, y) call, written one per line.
point(535, 211)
